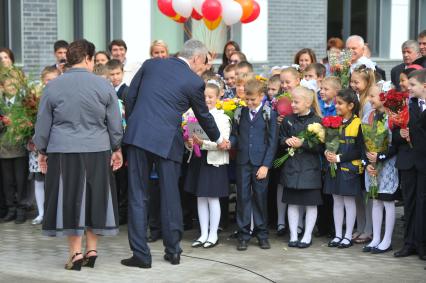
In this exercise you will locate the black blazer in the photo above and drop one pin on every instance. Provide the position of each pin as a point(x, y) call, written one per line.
point(395, 72)
point(122, 92)
point(417, 126)
point(161, 91)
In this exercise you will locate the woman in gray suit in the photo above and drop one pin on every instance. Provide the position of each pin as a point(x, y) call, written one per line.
point(78, 135)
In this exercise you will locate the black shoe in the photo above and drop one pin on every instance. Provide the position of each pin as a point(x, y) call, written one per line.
point(74, 265)
point(234, 235)
point(345, 246)
point(334, 244)
point(405, 251)
point(209, 245)
point(89, 261)
point(20, 218)
point(293, 244)
point(366, 249)
point(10, 216)
point(264, 244)
point(282, 231)
point(242, 245)
point(302, 245)
point(172, 258)
point(152, 239)
point(135, 262)
point(376, 250)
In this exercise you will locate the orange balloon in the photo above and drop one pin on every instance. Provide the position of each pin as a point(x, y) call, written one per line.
point(179, 19)
point(212, 25)
point(247, 6)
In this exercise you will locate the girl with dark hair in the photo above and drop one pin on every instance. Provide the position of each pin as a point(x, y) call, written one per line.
point(7, 59)
point(347, 183)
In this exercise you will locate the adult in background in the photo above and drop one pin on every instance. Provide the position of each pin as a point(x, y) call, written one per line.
point(229, 48)
point(7, 59)
point(421, 39)
point(118, 50)
point(160, 93)
point(78, 135)
point(361, 54)
point(60, 48)
point(410, 52)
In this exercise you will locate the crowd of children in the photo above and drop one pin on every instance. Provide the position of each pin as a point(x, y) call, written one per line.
point(305, 188)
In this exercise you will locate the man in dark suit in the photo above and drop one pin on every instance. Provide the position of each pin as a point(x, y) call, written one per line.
point(161, 91)
point(410, 52)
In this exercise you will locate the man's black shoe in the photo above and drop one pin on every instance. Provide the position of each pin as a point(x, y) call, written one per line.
point(135, 262)
point(172, 258)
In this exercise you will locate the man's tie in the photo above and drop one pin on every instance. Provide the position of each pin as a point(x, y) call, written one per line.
point(253, 114)
point(422, 105)
point(9, 104)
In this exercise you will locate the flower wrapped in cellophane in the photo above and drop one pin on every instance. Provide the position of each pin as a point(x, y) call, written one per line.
point(229, 105)
point(332, 126)
point(376, 139)
point(340, 64)
point(313, 135)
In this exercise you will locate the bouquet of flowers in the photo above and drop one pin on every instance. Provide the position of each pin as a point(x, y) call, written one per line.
point(375, 140)
point(229, 105)
point(314, 134)
point(189, 118)
point(340, 64)
point(282, 104)
point(332, 136)
point(21, 116)
point(396, 104)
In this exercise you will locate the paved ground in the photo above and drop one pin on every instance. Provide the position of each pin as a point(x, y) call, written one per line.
point(26, 256)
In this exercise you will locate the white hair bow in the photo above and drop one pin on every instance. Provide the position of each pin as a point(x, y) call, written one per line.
point(311, 84)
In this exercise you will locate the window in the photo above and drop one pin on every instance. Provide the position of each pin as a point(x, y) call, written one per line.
point(11, 27)
point(99, 21)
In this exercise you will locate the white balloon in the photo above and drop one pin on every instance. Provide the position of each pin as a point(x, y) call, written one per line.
point(182, 7)
point(197, 4)
point(231, 12)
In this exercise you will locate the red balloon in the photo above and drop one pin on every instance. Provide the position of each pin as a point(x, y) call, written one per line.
point(195, 15)
point(166, 7)
point(254, 15)
point(212, 9)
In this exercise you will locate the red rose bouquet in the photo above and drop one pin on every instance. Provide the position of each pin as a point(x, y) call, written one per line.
point(396, 104)
point(332, 135)
point(282, 104)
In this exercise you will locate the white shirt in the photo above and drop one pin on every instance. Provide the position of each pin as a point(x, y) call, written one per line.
point(118, 87)
point(130, 69)
point(422, 104)
point(10, 101)
point(257, 110)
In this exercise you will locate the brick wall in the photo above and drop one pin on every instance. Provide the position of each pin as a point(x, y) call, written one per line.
point(39, 33)
point(294, 25)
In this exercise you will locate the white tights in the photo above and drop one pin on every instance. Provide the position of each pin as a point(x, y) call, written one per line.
point(293, 220)
point(208, 213)
point(342, 203)
point(39, 196)
point(389, 207)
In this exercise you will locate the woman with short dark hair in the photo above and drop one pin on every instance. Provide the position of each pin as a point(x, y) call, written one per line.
point(78, 135)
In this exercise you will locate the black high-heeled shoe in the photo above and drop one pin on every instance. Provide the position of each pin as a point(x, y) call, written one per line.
point(74, 265)
point(89, 261)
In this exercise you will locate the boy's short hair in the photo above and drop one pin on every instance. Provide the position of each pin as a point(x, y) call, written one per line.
point(100, 70)
point(422, 34)
point(118, 42)
point(319, 69)
point(254, 87)
point(60, 44)
point(274, 79)
point(48, 70)
point(244, 78)
point(208, 75)
point(419, 75)
point(245, 64)
point(230, 68)
point(335, 82)
point(114, 64)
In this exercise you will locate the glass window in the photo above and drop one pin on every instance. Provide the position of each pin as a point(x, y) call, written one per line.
point(94, 22)
point(166, 29)
point(3, 23)
point(66, 19)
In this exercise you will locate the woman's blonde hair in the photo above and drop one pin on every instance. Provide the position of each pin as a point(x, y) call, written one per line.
point(310, 96)
point(158, 42)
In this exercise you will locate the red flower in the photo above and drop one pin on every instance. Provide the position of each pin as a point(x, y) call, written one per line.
point(333, 122)
point(283, 106)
